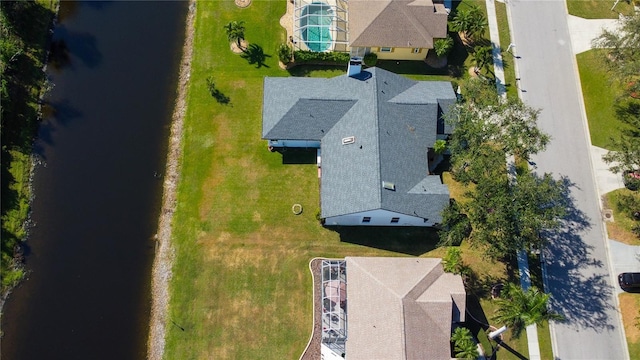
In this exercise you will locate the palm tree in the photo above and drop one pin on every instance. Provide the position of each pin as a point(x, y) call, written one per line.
point(463, 344)
point(482, 57)
point(471, 22)
point(235, 32)
point(518, 308)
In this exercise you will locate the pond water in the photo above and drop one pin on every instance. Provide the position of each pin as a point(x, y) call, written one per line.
point(98, 190)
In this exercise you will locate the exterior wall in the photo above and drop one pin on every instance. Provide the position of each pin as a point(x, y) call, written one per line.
point(378, 218)
point(400, 54)
point(294, 143)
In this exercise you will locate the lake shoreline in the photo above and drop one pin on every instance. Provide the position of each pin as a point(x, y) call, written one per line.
point(163, 261)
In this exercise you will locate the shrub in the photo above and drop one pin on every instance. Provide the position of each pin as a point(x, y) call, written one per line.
point(443, 46)
point(631, 180)
point(370, 59)
point(284, 53)
point(302, 56)
point(440, 146)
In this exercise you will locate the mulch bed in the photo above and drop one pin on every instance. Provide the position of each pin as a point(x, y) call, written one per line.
point(312, 352)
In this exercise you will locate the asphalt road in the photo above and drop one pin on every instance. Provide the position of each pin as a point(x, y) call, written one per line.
point(578, 272)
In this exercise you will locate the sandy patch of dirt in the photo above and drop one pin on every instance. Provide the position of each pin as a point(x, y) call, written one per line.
point(242, 3)
point(241, 48)
point(629, 307)
point(163, 261)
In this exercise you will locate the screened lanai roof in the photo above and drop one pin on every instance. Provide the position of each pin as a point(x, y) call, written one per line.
point(320, 25)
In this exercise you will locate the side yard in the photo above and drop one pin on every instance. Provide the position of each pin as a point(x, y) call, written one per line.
point(241, 287)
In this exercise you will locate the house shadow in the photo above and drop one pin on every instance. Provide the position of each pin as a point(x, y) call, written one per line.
point(408, 240)
point(298, 156)
point(579, 285)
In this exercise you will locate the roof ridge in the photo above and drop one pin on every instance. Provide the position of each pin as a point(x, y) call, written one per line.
point(389, 2)
point(377, 133)
point(414, 22)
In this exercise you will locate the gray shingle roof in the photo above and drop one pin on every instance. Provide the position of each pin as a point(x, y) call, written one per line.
point(394, 121)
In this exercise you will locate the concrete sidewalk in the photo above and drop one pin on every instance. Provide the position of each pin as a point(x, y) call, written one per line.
point(498, 69)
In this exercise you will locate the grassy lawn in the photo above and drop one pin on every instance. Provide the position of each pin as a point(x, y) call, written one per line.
point(620, 228)
point(599, 98)
point(629, 305)
point(598, 9)
point(241, 287)
point(507, 58)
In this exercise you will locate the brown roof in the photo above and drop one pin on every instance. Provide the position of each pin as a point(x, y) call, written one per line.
point(401, 308)
point(396, 23)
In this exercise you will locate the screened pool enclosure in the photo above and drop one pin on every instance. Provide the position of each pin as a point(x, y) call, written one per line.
point(320, 25)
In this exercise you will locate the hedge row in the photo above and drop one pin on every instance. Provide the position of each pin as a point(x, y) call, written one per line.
point(302, 57)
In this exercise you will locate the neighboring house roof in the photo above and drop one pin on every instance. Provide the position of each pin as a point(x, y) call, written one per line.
point(401, 308)
point(394, 121)
point(396, 23)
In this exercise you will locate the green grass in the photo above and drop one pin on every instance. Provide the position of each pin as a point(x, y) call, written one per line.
point(600, 95)
point(598, 9)
point(241, 287)
point(620, 228)
point(629, 305)
point(507, 58)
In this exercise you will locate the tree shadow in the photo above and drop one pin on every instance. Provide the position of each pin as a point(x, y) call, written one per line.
point(82, 45)
point(220, 97)
point(254, 54)
point(408, 240)
point(578, 284)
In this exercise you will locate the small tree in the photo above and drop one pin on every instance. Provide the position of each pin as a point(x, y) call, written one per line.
point(463, 344)
point(284, 53)
point(443, 46)
point(482, 57)
point(518, 308)
point(471, 22)
point(211, 86)
point(455, 226)
point(235, 32)
point(440, 146)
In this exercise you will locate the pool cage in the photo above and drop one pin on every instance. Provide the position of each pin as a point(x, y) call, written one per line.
point(320, 25)
point(334, 305)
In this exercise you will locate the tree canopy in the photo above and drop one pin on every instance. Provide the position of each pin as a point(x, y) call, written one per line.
point(471, 22)
point(235, 32)
point(623, 52)
point(518, 308)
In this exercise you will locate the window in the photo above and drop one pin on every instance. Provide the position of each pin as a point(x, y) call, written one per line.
point(416, 50)
point(395, 220)
point(386, 49)
point(366, 219)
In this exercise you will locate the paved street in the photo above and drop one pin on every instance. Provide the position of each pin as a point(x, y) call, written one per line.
point(578, 268)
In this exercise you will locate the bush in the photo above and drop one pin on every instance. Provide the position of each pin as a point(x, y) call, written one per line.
point(443, 46)
point(284, 53)
point(302, 57)
point(440, 146)
point(631, 180)
point(370, 59)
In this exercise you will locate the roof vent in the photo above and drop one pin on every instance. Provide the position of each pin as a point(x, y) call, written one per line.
point(348, 140)
point(389, 185)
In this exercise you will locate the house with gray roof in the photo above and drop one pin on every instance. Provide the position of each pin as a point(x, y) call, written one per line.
point(389, 308)
point(375, 130)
